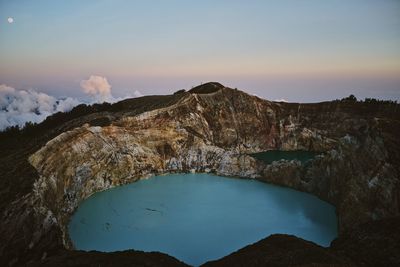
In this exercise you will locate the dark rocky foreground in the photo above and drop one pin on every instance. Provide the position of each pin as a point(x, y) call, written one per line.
point(371, 244)
point(123, 258)
point(46, 170)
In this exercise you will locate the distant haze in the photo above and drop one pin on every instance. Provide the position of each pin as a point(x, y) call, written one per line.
point(303, 51)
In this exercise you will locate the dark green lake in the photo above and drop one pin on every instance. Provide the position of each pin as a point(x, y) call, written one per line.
point(275, 155)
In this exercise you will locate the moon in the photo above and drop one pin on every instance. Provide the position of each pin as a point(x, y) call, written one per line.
point(10, 20)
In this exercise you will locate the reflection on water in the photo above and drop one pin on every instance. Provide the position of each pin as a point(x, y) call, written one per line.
point(197, 217)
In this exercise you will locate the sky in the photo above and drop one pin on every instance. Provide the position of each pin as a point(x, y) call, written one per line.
point(298, 50)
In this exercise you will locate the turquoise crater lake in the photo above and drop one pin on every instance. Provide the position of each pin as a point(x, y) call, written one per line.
point(197, 217)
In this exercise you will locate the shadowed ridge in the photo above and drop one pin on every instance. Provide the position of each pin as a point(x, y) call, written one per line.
point(207, 88)
point(282, 250)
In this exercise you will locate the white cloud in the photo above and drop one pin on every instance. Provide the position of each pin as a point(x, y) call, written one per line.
point(10, 20)
point(98, 87)
point(280, 100)
point(67, 104)
point(137, 93)
point(20, 106)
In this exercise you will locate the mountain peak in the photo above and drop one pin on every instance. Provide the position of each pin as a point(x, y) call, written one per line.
point(207, 88)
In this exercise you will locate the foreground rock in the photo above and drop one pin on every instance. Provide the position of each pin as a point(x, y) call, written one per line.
point(369, 244)
point(282, 250)
point(210, 129)
point(125, 258)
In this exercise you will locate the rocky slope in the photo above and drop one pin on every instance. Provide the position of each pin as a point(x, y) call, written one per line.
point(212, 129)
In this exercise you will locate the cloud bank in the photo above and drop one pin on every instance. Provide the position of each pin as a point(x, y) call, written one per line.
point(20, 106)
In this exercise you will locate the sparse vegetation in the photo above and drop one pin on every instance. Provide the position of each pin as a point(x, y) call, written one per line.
point(378, 101)
point(180, 92)
point(350, 98)
point(353, 99)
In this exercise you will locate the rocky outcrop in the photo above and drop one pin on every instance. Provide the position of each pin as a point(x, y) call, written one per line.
point(282, 250)
point(355, 176)
point(214, 129)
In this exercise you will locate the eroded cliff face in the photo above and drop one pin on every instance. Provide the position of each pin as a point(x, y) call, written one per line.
point(215, 132)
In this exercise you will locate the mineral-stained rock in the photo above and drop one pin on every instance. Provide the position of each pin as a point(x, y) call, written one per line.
point(212, 129)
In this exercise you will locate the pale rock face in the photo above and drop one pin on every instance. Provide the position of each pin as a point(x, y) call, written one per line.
point(214, 133)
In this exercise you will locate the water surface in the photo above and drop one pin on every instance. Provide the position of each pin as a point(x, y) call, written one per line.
point(274, 155)
point(197, 217)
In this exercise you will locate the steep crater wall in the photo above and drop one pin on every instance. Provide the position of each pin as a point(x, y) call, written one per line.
point(215, 132)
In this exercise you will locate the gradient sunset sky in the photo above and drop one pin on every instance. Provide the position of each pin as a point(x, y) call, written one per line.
point(299, 50)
